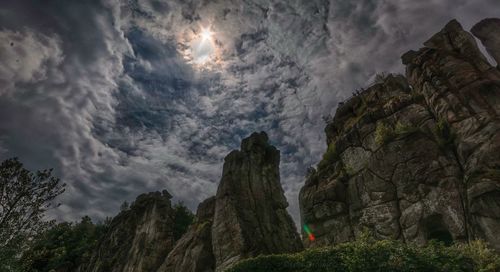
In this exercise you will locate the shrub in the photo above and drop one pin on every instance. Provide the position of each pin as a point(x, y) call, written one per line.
point(383, 133)
point(331, 155)
point(275, 263)
point(367, 255)
point(444, 135)
point(404, 129)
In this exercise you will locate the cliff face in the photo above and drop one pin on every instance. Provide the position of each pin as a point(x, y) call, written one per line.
point(250, 208)
point(467, 96)
point(414, 159)
point(139, 238)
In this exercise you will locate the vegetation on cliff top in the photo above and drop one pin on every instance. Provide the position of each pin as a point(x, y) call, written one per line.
point(367, 254)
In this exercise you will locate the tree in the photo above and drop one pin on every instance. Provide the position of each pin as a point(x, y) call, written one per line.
point(183, 217)
point(125, 206)
point(24, 198)
point(64, 246)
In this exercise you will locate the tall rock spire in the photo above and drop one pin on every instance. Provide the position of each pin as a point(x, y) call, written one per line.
point(250, 209)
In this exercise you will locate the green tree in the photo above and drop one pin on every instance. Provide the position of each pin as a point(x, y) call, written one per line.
point(24, 198)
point(183, 217)
point(65, 246)
point(125, 206)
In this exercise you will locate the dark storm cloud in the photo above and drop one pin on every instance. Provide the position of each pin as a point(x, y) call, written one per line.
point(102, 90)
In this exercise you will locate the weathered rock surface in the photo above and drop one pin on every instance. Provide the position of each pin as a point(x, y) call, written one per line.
point(414, 161)
point(139, 238)
point(488, 31)
point(193, 252)
point(461, 88)
point(250, 208)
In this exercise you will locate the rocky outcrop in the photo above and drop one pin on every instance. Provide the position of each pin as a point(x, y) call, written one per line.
point(138, 239)
point(193, 252)
point(488, 31)
point(414, 159)
point(250, 208)
point(463, 90)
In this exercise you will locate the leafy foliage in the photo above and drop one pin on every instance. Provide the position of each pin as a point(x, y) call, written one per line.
point(183, 218)
point(405, 129)
point(367, 254)
point(125, 206)
point(64, 247)
point(24, 198)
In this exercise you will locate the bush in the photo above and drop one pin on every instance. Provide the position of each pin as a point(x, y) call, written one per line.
point(444, 135)
point(383, 133)
point(367, 255)
point(405, 129)
point(329, 157)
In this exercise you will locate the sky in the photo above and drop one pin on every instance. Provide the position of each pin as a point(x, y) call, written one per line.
point(132, 96)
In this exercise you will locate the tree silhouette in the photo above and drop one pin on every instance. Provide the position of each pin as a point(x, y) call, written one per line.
point(24, 198)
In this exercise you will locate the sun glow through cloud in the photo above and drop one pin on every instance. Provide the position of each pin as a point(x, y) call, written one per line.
point(203, 47)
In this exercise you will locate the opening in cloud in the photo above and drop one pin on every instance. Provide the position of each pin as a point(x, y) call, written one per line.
point(203, 47)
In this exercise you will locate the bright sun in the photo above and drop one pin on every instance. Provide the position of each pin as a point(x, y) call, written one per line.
point(206, 34)
point(203, 46)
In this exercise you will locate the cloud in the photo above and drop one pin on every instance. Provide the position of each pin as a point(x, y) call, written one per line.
point(106, 94)
point(26, 56)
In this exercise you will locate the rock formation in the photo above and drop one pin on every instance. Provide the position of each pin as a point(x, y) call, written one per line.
point(246, 218)
point(193, 252)
point(488, 31)
point(462, 89)
point(250, 208)
point(414, 159)
point(139, 238)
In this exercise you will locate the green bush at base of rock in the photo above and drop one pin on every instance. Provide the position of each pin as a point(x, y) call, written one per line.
point(369, 255)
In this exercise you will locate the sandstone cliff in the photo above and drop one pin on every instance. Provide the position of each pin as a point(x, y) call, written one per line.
point(415, 159)
point(139, 238)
